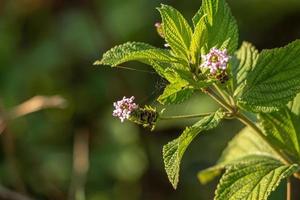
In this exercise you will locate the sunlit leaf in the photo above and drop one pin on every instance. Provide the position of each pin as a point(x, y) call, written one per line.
point(177, 31)
point(174, 150)
point(253, 178)
point(274, 81)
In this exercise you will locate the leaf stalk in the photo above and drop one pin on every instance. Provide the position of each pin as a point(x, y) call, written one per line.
point(245, 120)
point(185, 116)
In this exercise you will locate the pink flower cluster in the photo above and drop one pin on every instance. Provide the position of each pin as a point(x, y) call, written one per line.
point(215, 60)
point(124, 107)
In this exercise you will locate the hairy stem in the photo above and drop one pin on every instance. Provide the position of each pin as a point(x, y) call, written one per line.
point(222, 93)
point(242, 118)
point(218, 99)
point(185, 116)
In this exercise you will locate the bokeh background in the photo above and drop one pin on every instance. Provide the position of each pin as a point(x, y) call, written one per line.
point(47, 47)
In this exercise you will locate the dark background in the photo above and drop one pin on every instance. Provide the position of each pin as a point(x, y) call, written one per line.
point(48, 47)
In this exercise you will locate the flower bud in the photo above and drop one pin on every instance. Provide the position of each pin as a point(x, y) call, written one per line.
point(159, 29)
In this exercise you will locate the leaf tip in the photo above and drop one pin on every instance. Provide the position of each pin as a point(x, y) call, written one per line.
point(174, 185)
point(97, 62)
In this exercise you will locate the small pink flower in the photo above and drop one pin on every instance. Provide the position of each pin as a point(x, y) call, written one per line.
point(124, 107)
point(215, 60)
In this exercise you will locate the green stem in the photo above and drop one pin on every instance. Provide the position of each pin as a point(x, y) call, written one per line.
point(184, 116)
point(242, 118)
point(219, 100)
point(223, 95)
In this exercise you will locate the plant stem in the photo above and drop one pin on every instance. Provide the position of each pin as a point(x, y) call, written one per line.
point(184, 116)
point(219, 100)
point(242, 118)
point(289, 189)
point(222, 93)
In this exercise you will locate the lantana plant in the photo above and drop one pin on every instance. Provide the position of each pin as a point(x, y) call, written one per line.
point(257, 88)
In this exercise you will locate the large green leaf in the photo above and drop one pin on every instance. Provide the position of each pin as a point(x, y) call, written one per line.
point(245, 143)
point(253, 178)
point(274, 81)
point(198, 41)
point(135, 51)
point(283, 130)
point(176, 93)
point(221, 27)
point(244, 61)
point(174, 150)
point(177, 31)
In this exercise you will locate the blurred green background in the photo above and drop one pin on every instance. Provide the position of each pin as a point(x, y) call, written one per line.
point(47, 47)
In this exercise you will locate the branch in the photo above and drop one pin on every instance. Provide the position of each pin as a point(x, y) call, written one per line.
point(35, 104)
point(7, 194)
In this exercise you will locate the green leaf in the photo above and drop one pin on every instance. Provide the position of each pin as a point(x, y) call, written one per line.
point(198, 41)
point(283, 130)
point(176, 93)
point(294, 105)
point(165, 70)
point(245, 143)
point(180, 78)
point(274, 81)
point(174, 150)
point(181, 88)
point(244, 61)
point(199, 15)
point(254, 177)
point(135, 51)
point(221, 27)
point(177, 31)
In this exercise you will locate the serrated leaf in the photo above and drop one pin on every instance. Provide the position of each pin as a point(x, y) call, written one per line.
point(174, 150)
point(245, 143)
point(221, 27)
point(244, 61)
point(135, 51)
point(165, 70)
point(177, 31)
point(283, 130)
point(253, 178)
point(199, 15)
point(198, 41)
point(274, 81)
point(176, 93)
point(179, 76)
point(182, 87)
